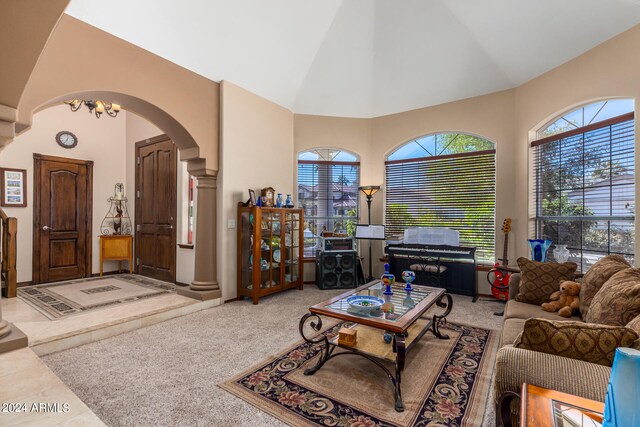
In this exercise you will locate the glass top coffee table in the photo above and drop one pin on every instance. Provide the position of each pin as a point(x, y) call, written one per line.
point(374, 314)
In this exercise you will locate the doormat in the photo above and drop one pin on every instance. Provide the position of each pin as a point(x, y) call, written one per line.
point(62, 299)
point(444, 383)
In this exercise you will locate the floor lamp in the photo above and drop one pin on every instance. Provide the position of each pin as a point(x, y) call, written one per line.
point(369, 191)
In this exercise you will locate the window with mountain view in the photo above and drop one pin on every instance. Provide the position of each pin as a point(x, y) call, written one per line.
point(328, 181)
point(444, 180)
point(584, 181)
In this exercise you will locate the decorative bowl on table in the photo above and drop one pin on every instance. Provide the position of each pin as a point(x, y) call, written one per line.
point(364, 303)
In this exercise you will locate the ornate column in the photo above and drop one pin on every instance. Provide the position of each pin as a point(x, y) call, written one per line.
point(5, 327)
point(11, 338)
point(205, 281)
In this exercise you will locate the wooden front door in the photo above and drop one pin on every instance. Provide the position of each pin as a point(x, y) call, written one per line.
point(156, 175)
point(62, 195)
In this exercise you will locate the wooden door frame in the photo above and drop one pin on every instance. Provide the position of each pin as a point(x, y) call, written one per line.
point(138, 146)
point(37, 169)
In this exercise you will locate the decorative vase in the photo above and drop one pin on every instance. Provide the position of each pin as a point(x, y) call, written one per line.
point(387, 307)
point(408, 276)
point(289, 203)
point(279, 200)
point(561, 253)
point(539, 249)
point(408, 301)
point(388, 279)
point(621, 403)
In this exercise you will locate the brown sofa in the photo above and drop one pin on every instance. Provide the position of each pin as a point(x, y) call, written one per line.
point(515, 366)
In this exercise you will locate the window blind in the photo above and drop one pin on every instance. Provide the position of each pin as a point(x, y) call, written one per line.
point(584, 189)
point(328, 193)
point(455, 191)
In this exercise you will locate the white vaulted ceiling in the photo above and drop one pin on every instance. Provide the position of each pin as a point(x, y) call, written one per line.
point(364, 58)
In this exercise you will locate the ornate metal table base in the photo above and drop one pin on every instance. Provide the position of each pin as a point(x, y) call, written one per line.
point(398, 343)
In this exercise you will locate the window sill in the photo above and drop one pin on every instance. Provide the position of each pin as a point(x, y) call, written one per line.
point(185, 245)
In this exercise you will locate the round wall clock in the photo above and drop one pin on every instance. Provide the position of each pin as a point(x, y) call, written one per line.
point(66, 139)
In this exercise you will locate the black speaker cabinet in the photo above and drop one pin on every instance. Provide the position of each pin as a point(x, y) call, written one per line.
point(337, 270)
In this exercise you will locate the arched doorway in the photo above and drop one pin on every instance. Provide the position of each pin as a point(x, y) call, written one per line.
point(188, 154)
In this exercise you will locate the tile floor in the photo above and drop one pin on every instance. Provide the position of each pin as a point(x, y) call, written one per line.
point(26, 379)
point(48, 336)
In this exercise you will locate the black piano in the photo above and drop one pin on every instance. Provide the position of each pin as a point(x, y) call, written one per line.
point(443, 266)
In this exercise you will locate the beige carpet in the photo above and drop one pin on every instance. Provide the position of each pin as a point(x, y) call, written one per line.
point(61, 299)
point(168, 374)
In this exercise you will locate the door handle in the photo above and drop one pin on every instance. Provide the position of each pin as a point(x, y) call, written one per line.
point(46, 228)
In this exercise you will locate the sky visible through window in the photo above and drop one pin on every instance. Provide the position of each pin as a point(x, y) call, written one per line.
point(440, 145)
point(588, 114)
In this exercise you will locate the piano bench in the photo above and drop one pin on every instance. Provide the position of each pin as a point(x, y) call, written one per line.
point(428, 268)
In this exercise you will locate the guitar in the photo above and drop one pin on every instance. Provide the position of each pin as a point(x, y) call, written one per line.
point(498, 278)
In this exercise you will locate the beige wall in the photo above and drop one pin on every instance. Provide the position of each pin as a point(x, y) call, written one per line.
point(374, 139)
point(483, 116)
point(25, 27)
point(260, 140)
point(611, 69)
point(508, 118)
point(139, 129)
point(101, 140)
point(353, 135)
point(110, 143)
point(256, 152)
point(82, 61)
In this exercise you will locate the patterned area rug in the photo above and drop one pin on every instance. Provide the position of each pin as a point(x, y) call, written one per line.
point(445, 383)
point(61, 299)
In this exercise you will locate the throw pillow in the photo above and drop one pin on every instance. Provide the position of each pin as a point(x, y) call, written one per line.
point(595, 277)
point(618, 300)
point(575, 340)
point(540, 279)
point(635, 325)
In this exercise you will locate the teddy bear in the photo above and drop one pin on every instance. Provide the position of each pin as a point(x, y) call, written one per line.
point(566, 300)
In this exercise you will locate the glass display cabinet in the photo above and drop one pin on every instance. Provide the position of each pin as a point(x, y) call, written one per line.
point(270, 250)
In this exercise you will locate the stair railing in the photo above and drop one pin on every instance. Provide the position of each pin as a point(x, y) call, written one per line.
point(9, 252)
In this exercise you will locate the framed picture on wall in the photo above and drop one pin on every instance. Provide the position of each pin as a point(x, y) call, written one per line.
point(13, 186)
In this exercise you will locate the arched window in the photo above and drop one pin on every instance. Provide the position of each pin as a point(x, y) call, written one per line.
point(444, 180)
point(583, 193)
point(328, 181)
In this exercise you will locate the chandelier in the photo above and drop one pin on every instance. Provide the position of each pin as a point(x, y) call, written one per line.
point(97, 107)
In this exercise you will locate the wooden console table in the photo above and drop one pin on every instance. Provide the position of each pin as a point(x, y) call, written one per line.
point(116, 248)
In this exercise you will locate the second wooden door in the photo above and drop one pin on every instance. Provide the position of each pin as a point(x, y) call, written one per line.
point(156, 175)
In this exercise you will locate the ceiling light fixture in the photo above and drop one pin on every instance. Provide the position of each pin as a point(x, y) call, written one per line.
point(97, 107)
